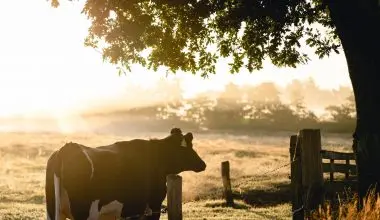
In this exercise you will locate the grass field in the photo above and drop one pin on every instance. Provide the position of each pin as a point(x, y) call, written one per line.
point(259, 194)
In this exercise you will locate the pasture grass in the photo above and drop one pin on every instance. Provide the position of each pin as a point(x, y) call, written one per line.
point(348, 209)
point(258, 192)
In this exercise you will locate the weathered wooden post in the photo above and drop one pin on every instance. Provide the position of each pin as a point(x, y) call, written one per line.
point(296, 178)
point(332, 170)
point(174, 197)
point(312, 174)
point(227, 183)
point(347, 174)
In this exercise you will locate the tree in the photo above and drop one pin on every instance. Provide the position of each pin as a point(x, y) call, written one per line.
point(264, 92)
point(191, 35)
point(301, 111)
point(231, 92)
point(344, 112)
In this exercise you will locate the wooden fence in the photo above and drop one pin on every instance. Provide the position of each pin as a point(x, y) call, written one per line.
point(333, 167)
point(174, 197)
point(174, 192)
point(308, 185)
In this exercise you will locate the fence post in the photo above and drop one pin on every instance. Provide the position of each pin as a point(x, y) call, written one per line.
point(312, 174)
point(296, 178)
point(227, 183)
point(332, 170)
point(347, 174)
point(174, 197)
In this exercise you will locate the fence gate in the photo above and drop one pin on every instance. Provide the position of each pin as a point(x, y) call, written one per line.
point(307, 184)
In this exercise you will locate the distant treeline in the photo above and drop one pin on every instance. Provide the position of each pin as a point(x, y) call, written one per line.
point(239, 109)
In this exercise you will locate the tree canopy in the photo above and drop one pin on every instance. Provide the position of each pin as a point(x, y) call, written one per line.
point(191, 35)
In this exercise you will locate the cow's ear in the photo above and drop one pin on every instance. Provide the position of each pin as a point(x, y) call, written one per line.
point(175, 131)
point(176, 138)
point(189, 136)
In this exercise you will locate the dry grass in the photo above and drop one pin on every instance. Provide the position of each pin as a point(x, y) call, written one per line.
point(258, 194)
point(348, 210)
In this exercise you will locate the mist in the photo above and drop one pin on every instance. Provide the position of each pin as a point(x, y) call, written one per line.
point(134, 107)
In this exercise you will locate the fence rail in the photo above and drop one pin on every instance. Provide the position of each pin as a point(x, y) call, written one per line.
point(337, 155)
point(332, 167)
point(339, 168)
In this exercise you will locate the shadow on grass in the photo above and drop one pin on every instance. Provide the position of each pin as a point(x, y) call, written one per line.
point(36, 199)
point(249, 154)
point(279, 194)
point(237, 205)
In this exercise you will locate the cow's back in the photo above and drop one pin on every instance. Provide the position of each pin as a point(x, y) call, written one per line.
point(122, 170)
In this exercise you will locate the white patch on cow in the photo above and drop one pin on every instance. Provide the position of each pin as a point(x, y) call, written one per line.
point(89, 159)
point(111, 209)
point(183, 143)
point(94, 212)
point(57, 193)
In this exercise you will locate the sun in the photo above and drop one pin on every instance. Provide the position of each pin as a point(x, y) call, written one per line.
point(44, 66)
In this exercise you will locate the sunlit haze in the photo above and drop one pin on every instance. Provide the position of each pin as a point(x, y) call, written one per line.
point(45, 70)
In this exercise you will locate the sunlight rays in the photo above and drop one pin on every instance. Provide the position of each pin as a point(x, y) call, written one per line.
point(45, 70)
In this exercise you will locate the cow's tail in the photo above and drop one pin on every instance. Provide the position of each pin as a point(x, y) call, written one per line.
point(53, 186)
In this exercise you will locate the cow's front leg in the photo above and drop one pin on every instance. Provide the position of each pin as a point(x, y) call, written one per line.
point(157, 195)
point(155, 212)
point(155, 206)
point(133, 210)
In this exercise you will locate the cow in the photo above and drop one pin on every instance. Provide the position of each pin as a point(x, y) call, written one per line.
point(123, 180)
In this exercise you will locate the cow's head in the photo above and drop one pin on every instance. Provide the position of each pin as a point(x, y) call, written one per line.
point(183, 156)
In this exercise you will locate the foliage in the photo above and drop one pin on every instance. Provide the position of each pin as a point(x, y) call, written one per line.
point(240, 109)
point(345, 112)
point(192, 35)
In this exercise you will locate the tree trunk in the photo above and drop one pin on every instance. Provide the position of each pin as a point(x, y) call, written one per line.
point(357, 23)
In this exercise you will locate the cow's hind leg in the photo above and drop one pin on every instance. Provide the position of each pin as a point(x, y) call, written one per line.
point(157, 196)
point(80, 209)
point(81, 206)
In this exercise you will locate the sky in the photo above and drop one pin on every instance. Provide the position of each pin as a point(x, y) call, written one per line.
point(45, 69)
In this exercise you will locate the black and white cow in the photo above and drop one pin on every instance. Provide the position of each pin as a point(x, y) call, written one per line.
point(120, 180)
